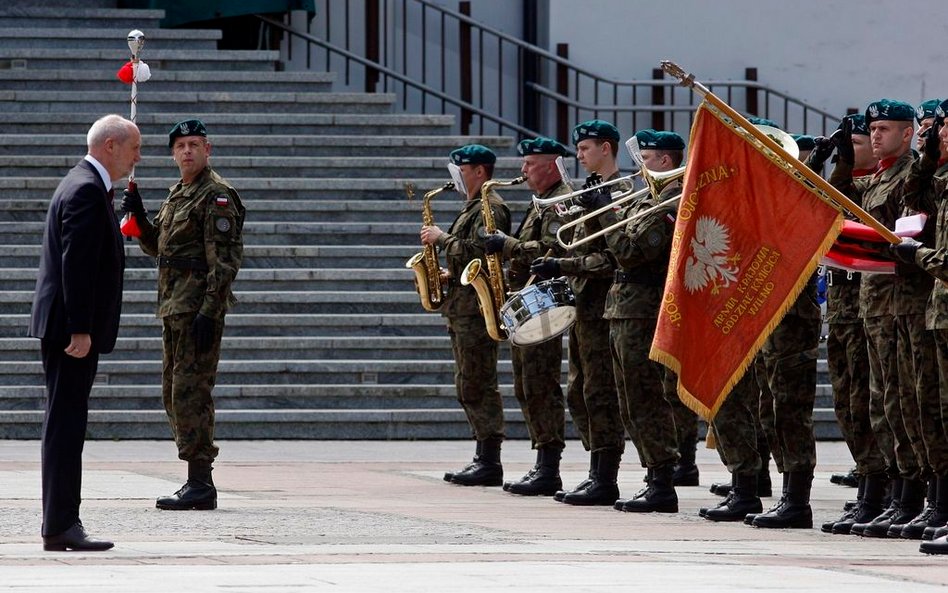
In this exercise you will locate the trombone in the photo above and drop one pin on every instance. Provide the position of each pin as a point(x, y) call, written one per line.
point(656, 182)
point(567, 200)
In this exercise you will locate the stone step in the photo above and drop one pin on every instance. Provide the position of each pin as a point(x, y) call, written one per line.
point(17, 16)
point(444, 423)
point(158, 59)
point(168, 81)
point(300, 324)
point(365, 146)
point(293, 124)
point(117, 101)
point(110, 38)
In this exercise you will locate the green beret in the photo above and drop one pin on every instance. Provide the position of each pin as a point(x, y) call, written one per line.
point(655, 140)
point(596, 129)
point(926, 109)
point(942, 109)
point(804, 142)
point(889, 110)
point(763, 121)
point(473, 154)
point(859, 124)
point(188, 127)
point(541, 145)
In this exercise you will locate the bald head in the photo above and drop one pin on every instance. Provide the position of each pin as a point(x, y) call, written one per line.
point(116, 143)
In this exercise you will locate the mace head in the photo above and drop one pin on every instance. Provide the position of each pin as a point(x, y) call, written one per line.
point(136, 40)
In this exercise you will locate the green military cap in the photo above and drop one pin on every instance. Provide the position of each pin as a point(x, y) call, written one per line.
point(859, 123)
point(889, 110)
point(804, 142)
point(656, 140)
point(596, 129)
point(926, 110)
point(942, 109)
point(188, 127)
point(763, 121)
point(473, 154)
point(541, 145)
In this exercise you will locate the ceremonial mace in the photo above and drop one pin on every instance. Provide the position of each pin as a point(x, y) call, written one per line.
point(136, 41)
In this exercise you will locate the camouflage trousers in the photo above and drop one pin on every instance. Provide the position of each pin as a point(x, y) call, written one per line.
point(187, 379)
point(536, 371)
point(789, 363)
point(941, 347)
point(885, 409)
point(735, 427)
point(647, 415)
point(919, 394)
point(591, 388)
point(764, 416)
point(475, 376)
point(847, 359)
point(686, 421)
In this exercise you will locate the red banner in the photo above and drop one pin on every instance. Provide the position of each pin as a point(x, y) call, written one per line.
point(749, 234)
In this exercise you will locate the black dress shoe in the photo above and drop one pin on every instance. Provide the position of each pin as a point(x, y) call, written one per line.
point(193, 496)
point(75, 539)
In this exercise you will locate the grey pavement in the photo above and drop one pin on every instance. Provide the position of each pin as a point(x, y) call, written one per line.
point(376, 516)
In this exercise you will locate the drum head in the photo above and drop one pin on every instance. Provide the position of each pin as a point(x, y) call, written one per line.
point(544, 326)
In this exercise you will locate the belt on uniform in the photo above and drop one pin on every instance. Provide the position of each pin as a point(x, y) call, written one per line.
point(641, 277)
point(838, 277)
point(181, 263)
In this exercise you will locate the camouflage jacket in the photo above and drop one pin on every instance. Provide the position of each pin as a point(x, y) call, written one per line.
point(928, 192)
point(535, 237)
point(199, 222)
point(641, 250)
point(464, 242)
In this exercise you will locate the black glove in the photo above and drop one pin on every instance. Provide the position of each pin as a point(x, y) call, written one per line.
point(494, 243)
point(824, 148)
point(545, 267)
point(594, 199)
point(843, 139)
point(202, 329)
point(933, 142)
point(132, 202)
point(905, 251)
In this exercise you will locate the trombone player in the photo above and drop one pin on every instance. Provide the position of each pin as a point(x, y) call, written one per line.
point(536, 368)
point(475, 352)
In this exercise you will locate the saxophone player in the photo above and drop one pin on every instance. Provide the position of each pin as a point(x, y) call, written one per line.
point(475, 352)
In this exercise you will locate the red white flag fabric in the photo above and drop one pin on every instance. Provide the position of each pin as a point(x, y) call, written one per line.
point(748, 236)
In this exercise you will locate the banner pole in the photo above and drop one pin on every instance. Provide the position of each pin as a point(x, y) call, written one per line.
point(830, 193)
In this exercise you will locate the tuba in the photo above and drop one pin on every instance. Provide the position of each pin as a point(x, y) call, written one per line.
point(489, 285)
point(425, 263)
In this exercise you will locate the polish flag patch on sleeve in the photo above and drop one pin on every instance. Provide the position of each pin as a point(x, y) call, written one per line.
point(221, 200)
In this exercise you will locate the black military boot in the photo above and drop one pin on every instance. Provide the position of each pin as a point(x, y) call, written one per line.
point(849, 511)
point(720, 488)
point(704, 510)
point(848, 479)
point(868, 507)
point(659, 496)
point(603, 490)
point(895, 505)
point(544, 478)
point(933, 515)
point(686, 472)
point(742, 501)
point(486, 469)
point(912, 500)
point(479, 446)
point(795, 512)
point(593, 470)
point(197, 494)
point(936, 546)
point(764, 484)
point(940, 518)
point(749, 519)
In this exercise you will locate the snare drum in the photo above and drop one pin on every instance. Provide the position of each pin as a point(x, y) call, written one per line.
point(539, 312)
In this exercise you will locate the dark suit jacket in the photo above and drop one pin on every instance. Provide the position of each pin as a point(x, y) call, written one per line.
point(79, 284)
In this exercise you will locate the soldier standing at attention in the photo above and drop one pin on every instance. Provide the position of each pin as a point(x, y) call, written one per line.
point(591, 391)
point(536, 368)
point(196, 240)
point(475, 352)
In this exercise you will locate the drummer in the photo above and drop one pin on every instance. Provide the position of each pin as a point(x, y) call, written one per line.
point(537, 368)
point(641, 250)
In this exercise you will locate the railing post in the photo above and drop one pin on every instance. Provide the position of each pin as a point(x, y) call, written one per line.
point(562, 87)
point(658, 98)
point(372, 16)
point(530, 69)
point(465, 71)
point(752, 106)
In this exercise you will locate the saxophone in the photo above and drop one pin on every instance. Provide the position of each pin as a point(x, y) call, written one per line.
point(425, 263)
point(489, 286)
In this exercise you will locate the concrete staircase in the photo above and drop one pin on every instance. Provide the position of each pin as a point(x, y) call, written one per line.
point(328, 340)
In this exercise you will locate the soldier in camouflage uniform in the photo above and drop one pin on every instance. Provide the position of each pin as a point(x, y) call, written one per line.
point(591, 390)
point(196, 238)
point(537, 368)
point(891, 131)
point(926, 192)
point(475, 352)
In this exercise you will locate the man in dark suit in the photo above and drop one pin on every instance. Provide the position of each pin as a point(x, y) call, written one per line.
point(75, 313)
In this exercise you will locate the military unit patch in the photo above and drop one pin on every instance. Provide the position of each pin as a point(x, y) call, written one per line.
point(222, 224)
